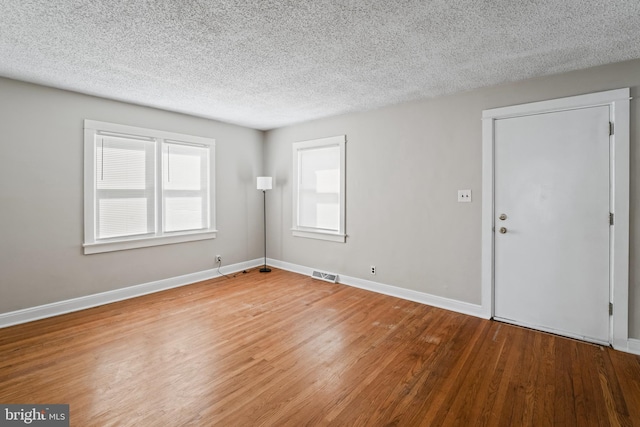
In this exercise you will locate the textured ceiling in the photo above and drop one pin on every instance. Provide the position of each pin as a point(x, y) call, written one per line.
point(267, 64)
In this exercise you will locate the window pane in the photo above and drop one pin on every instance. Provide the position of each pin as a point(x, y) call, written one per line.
point(328, 216)
point(319, 188)
point(122, 164)
point(125, 184)
point(185, 187)
point(184, 167)
point(183, 213)
point(328, 181)
point(122, 217)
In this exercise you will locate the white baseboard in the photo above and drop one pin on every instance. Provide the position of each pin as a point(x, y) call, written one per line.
point(291, 267)
point(394, 291)
point(81, 303)
point(89, 301)
point(633, 346)
point(629, 345)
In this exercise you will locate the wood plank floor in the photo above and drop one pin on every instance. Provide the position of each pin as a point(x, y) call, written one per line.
point(282, 349)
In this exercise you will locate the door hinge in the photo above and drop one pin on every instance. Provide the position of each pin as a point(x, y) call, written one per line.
point(610, 309)
point(610, 128)
point(610, 218)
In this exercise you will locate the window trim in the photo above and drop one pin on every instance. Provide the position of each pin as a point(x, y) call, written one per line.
point(92, 245)
point(317, 233)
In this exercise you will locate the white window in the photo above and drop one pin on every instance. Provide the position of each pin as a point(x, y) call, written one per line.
point(319, 189)
point(145, 187)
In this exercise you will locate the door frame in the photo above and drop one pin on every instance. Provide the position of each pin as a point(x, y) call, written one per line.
point(618, 102)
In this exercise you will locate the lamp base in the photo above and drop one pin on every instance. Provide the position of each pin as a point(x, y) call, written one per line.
point(265, 270)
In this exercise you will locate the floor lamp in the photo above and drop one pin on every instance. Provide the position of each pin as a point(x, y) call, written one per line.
point(264, 184)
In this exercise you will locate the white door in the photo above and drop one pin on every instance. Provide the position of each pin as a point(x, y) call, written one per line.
point(552, 245)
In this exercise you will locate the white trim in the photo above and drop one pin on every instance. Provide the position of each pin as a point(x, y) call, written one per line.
point(76, 304)
point(120, 245)
point(394, 291)
point(320, 235)
point(411, 295)
point(633, 346)
point(82, 303)
point(145, 133)
point(559, 104)
point(629, 346)
point(620, 204)
point(618, 101)
point(294, 268)
point(487, 240)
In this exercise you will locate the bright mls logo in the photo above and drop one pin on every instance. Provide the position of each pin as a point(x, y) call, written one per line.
point(35, 415)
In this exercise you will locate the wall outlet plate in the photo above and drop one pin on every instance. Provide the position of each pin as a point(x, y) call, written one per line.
point(464, 196)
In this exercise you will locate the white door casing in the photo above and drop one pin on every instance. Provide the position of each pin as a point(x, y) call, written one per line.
point(615, 104)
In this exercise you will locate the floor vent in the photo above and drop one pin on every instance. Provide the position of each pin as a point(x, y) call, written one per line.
point(327, 277)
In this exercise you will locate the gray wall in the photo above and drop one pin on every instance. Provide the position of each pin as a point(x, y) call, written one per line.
point(404, 166)
point(41, 198)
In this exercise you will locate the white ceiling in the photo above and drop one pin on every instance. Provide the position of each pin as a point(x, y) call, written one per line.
point(271, 63)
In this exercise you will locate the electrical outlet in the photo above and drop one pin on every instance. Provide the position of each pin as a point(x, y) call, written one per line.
point(373, 270)
point(464, 196)
point(218, 259)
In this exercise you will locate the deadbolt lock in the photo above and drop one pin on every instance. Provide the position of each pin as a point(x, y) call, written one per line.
point(502, 217)
point(503, 230)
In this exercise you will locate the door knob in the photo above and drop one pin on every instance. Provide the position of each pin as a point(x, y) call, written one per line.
point(502, 217)
point(503, 230)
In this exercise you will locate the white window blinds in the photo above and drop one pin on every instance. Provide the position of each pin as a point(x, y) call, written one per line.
point(185, 187)
point(145, 187)
point(125, 175)
point(319, 189)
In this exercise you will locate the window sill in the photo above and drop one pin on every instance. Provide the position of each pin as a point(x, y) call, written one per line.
point(320, 235)
point(121, 245)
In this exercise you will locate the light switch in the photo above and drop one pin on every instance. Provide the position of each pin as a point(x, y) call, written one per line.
point(464, 196)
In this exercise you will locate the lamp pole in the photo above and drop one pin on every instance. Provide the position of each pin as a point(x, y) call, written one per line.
point(265, 269)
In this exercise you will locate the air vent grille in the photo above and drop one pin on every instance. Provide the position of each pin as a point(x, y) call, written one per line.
point(327, 277)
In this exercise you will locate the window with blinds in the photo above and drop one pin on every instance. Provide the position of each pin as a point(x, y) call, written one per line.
point(124, 187)
point(319, 188)
point(145, 187)
point(185, 187)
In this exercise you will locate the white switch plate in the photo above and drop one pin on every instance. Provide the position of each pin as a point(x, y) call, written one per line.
point(464, 196)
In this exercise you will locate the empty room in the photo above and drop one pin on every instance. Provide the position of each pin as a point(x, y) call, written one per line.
point(338, 212)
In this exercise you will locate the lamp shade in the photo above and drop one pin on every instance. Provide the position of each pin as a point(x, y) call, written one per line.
point(264, 183)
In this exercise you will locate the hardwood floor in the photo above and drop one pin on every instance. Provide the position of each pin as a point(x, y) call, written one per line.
point(282, 349)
